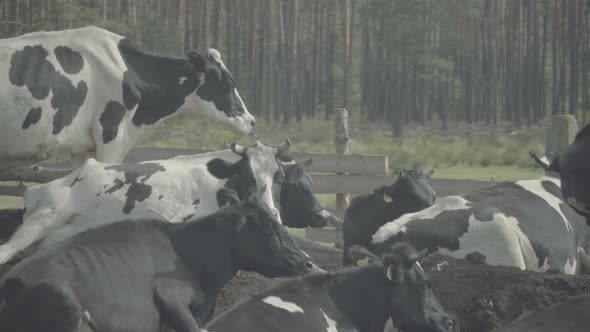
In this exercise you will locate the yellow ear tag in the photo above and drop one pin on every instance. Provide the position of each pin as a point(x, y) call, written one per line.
point(362, 262)
point(390, 272)
point(226, 204)
point(387, 198)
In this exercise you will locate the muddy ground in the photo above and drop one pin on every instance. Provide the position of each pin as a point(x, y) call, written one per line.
point(482, 297)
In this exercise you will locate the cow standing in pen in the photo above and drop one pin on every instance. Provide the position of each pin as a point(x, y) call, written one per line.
point(90, 92)
point(573, 168)
point(411, 192)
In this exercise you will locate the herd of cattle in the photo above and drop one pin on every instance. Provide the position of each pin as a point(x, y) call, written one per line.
point(149, 246)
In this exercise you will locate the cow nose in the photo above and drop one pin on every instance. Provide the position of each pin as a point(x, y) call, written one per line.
point(252, 123)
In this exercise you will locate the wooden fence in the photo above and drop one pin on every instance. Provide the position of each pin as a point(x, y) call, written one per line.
point(339, 173)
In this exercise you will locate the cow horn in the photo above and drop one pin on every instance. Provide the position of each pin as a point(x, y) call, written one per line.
point(284, 147)
point(416, 257)
point(238, 149)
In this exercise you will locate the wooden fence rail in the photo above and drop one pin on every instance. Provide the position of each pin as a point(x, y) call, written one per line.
point(332, 173)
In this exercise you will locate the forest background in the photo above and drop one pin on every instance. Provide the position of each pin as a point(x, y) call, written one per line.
point(464, 86)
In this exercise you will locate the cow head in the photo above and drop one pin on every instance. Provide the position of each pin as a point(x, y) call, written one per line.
point(260, 243)
point(216, 97)
point(411, 303)
point(411, 189)
point(259, 165)
point(299, 206)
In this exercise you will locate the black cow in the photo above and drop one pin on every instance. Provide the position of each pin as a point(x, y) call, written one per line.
point(570, 315)
point(90, 92)
point(356, 299)
point(573, 167)
point(135, 274)
point(297, 203)
point(411, 192)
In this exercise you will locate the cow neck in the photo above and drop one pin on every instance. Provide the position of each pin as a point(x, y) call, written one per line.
point(362, 295)
point(206, 249)
point(157, 79)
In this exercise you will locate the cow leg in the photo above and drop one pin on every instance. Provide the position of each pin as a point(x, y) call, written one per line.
point(42, 307)
point(173, 298)
point(35, 226)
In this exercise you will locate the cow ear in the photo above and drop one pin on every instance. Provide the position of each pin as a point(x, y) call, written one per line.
point(416, 257)
point(361, 255)
point(230, 220)
point(197, 60)
point(223, 169)
point(305, 162)
point(429, 174)
point(227, 197)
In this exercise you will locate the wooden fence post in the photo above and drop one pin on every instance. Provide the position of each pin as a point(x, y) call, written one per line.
point(341, 140)
point(561, 133)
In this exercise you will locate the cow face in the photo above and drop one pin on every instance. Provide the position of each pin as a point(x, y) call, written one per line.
point(259, 166)
point(216, 97)
point(300, 208)
point(261, 244)
point(412, 189)
point(413, 305)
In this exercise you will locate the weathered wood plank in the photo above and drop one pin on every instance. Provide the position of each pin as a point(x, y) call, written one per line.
point(360, 184)
point(338, 213)
point(324, 163)
point(324, 235)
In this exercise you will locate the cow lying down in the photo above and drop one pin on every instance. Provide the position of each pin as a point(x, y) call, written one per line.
point(525, 224)
point(176, 190)
point(355, 299)
point(133, 275)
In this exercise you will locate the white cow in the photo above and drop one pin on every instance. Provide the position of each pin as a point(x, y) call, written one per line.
point(176, 190)
point(90, 92)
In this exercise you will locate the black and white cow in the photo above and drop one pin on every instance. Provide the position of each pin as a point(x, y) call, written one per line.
point(133, 275)
point(524, 224)
point(356, 299)
point(175, 190)
point(91, 92)
point(570, 315)
point(411, 192)
point(573, 167)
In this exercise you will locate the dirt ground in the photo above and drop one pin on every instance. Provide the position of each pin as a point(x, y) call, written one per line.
point(482, 297)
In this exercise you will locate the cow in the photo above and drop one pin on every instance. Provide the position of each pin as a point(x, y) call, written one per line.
point(355, 299)
point(298, 205)
point(570, 315)
point(411, 192)
point(176, 190)
point(573, 167)
point(90, 92)
point(525, 224)
point(10, 220)
point(132, 275)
